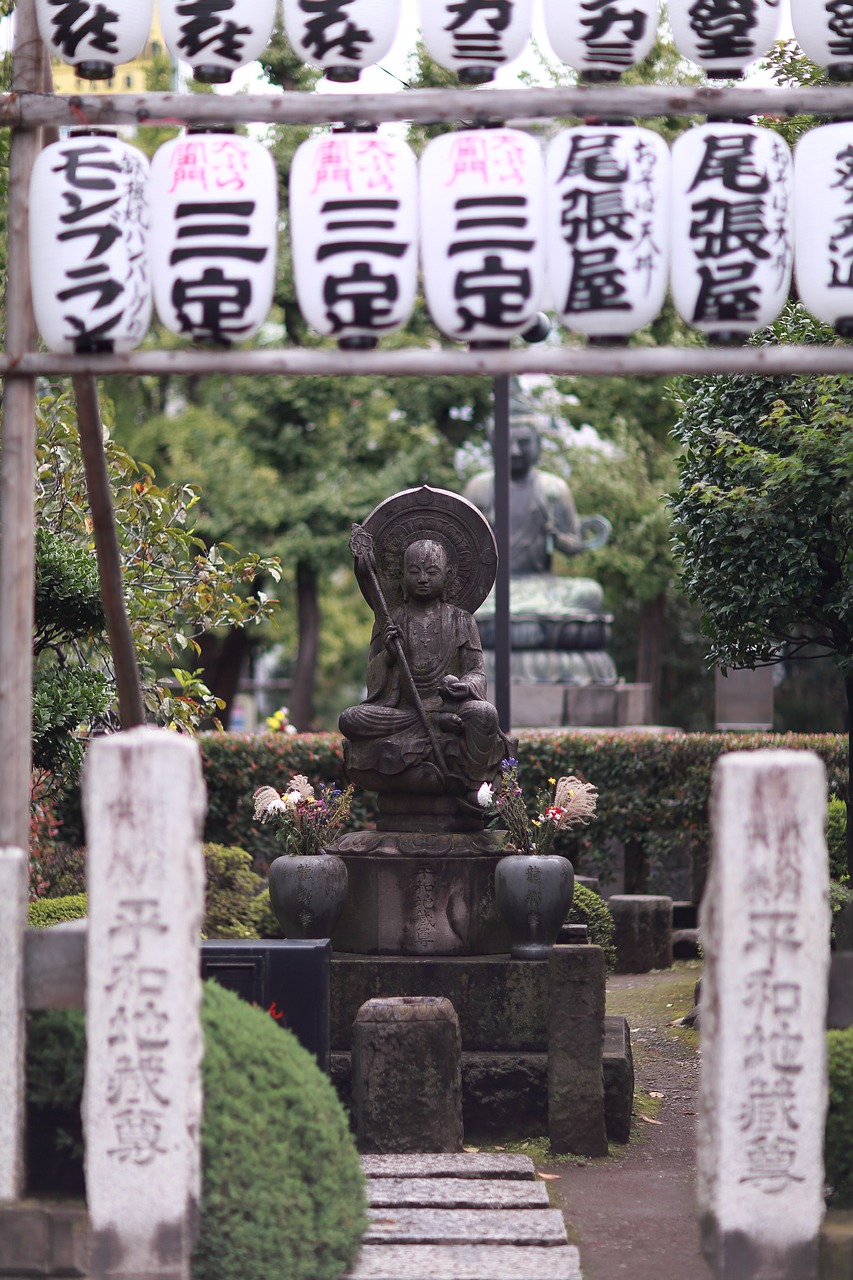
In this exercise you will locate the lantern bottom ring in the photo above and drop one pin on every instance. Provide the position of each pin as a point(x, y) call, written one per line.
point(844, 326)
point(95, 70)
point(208, 73)
point(727, 338)
point(358, 342)
point(840, 72)
point(476, 75)
point(342, 75)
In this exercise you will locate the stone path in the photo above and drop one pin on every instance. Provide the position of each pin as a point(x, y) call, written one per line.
point(461, 1217)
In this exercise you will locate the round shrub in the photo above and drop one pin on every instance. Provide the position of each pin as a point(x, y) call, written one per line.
point(589, 908)
point(836, 838)
point(230, 891)
point(45, 912)
point(283, 1191)
point(838, 1144)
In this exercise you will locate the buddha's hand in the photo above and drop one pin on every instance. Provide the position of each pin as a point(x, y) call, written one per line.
point(453, 687)
point(391, 638)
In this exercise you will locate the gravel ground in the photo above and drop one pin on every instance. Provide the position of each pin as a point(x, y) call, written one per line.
point(634, 1214)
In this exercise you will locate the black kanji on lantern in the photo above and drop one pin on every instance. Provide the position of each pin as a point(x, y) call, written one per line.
point(332, 29)
point(597, 282)
point(488, 225)
point(77, 20)
point(724, 28)
point(729, 159)
point(611, 31)
point(841, 25)
point(361, 299)
point(202, 28)
point(476, 26)
point(592, 157)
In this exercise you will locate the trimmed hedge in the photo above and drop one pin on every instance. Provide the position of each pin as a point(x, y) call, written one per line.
point(653, 788)
point(589, 908)
point(838, 1146)
point(45, 912)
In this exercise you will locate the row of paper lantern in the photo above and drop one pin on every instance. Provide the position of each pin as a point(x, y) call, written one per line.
point(600, 38)
point(596, 231)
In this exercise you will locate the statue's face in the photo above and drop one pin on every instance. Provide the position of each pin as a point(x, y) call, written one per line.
point(425, 568)
point(523, 450)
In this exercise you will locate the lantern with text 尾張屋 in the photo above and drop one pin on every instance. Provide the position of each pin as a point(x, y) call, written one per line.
point(475, 37)
point(601, 38)
point(724, 36)
point(214, 236)
point(89, 226)
point(824, 32)
point(341, 36)
point(607, 207)
point(216, 37)
point(354, 233)
point(823, 224)
point(732, 238)
point(94, 37)
point(483, 233)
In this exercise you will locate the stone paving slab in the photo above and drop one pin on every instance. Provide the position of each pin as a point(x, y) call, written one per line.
point(465, 1262)
point(464, 1165)
point(455, 1193)
point(544, 1227)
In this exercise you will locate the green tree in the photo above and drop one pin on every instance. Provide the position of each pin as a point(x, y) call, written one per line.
point(763, 513)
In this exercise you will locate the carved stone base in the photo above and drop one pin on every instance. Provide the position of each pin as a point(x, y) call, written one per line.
point(421, 894)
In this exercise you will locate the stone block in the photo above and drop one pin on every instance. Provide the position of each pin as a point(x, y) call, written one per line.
point(13, 923)
point(55, 972)
point(464, 1164)
point(471, 1261)
point(575, 1051)
point(836, 1245)
point(407, 1075)
point(456, 1193)
point(763, 1088)
point(43, 1238)
point(144, 807)
point(642, 931)
point(839, 1012)
point(618, 1065)
point(589, 882)
point(543, 1227)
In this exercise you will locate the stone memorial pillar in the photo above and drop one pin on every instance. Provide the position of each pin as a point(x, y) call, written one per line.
point(144, 805)
point(13, 922)
point(765, 931)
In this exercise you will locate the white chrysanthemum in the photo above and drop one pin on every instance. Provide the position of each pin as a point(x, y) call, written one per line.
point(485, 795)
point(576, 799)
point(301, 786)
point(267, 802)
point(292, 799)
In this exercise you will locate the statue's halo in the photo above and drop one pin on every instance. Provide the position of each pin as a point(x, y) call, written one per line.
point(445, 517)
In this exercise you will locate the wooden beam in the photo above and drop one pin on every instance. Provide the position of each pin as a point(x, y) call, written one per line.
point(471, 106)
point(417, 362)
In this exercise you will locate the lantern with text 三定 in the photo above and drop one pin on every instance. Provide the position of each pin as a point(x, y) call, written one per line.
point(475, 37)
point(341, 36)
point(88, 230)
point(732, 239)
point(823, 223)
point(607, 215)
point(95, 38)
point(214, 236)
point(601, 38)
point(354, 231)
point(824, 32)
point(483, 244)
point(216, 37)
point(724, 36)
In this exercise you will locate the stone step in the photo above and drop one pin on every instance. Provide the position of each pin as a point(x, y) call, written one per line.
point(464, 1165)
point(455, 1193)
point(541, 1227)
point(465, 1262)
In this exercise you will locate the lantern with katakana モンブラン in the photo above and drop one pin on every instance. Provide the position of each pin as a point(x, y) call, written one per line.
point(475, 37)
point(94, 38)
point(214, 236)
point(601, 38)
point(483, 238)
point(341, 36)
point(732, 238)
point(216, 37)
point(354, 232)
point(88, 227)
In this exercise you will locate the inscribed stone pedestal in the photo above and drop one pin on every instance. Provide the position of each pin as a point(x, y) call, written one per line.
point(13, 919)
point(144, 804)
point(765, 931)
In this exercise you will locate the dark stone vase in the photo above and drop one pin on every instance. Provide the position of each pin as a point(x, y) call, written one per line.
point(534, 892)
point(308, 893)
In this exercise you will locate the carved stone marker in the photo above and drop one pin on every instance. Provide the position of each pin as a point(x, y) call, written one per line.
point(575, 1051)
point(144, 804)
point(13, 919)
point(407, 1075)
point(765, 930)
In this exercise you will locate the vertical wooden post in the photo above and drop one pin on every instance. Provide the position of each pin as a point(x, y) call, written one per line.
point(17, 490)
point(503, 636)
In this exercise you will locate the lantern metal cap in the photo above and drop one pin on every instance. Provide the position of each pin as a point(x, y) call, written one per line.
point(476, 75)
point(727, 338)
point(844, 326)
point(358, 342)
point(599, 77)
point(92, 70)
point(342, 75)
point(209, 73)
point(607, 340)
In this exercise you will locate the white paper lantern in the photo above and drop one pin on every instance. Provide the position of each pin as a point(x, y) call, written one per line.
point(607, 214)
point(214, 198)
point(724, 36)
point(483, 237)
point(341, 36)
point(824, 30)
point(475, 37)
point(216, 37)
point(95, 37)
point(732, 238)
point(89, 226)
point(602, 38)
point(823, 219)
point(354, 231)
